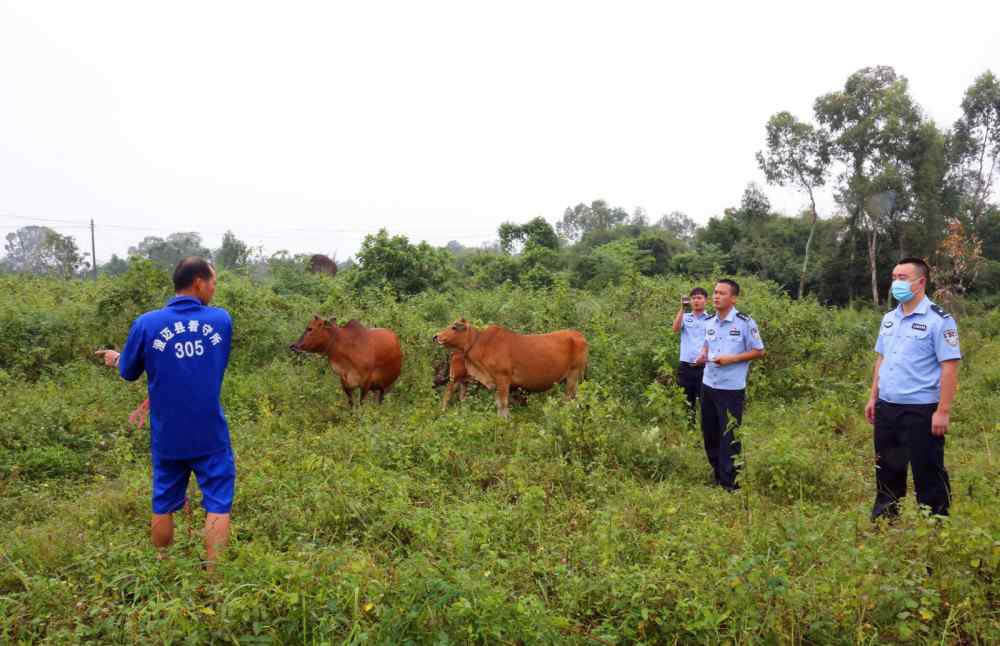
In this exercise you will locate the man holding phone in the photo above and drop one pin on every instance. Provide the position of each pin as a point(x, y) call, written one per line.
point(690, 324)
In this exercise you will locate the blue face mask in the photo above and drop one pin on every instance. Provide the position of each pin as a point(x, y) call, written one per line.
point(901, 291)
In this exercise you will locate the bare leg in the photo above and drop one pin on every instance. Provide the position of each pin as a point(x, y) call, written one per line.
point(161, 532)
point(216, 538)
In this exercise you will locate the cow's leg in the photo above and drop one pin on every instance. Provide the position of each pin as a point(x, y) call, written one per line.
point(503, 397)
point(463, 389)
point(381, 395)
point(364, 393)
point(447, 395)
point(349, 392)
point(572, 379)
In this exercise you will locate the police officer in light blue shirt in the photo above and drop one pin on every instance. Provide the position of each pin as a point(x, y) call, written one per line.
point(691, 327)
point(914, 382)
point(732, 341)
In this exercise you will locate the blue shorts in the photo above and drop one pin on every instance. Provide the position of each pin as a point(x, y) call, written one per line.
point(216, 474)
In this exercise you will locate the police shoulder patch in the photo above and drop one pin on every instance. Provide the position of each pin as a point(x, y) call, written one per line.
point(940, 312)
point(743, 315)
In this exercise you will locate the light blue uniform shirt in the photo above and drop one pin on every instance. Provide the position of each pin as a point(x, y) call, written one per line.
point(912, 349)
point(693, 335)
point(735, 334)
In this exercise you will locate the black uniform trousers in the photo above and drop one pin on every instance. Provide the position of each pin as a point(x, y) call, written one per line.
point(689, 376)
point(903, 436)
point(721, 415)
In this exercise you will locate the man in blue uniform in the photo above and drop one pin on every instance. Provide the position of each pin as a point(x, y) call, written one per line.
point(732, 341)
point(691, 327)
point(184, 350)
point(913, 385)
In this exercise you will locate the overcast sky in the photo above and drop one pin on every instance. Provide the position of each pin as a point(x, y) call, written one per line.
point(305, 126)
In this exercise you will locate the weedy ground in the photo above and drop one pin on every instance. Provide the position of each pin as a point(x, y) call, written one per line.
point(588, 522)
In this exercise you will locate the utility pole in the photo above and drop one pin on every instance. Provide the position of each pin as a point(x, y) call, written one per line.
point(93, 250)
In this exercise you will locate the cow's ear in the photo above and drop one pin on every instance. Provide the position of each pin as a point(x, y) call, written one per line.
point(317, 317)
point(330, 323)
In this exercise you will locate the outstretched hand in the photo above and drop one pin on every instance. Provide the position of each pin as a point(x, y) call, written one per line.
point(110, 357)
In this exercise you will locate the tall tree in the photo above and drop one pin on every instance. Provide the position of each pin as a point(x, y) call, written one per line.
point(872, 123)
point(798, 155)
point(754, 206)
point(534, 233)
point(582, 219)
point(679, 224)
point(234, 253)
point(409, 269)
point(116, 266)
point(976, 145)
point(40, 250)
point(167, 252)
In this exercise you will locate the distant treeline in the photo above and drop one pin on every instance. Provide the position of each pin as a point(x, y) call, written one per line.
point(903, 186)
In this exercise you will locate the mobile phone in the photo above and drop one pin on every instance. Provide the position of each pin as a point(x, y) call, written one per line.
point(685, 302)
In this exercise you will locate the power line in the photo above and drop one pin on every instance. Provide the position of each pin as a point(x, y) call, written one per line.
point(270, 233)
point(83, 224)
point(278, 237)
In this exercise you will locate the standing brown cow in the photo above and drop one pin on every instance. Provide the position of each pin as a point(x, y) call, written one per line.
point(365, 358)
point(499, 358)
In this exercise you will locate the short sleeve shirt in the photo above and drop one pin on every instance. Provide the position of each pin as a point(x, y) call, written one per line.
point(735, 334)
point(184, 350)
point(912, 348)
point(693, 335)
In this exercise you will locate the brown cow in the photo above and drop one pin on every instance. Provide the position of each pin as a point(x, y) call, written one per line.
point(453, 372)
point(499, 358)
point(365, 358)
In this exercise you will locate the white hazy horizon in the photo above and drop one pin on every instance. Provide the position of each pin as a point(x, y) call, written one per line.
point(306, 126)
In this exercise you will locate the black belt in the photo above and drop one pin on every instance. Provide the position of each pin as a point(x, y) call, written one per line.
point(692, 365)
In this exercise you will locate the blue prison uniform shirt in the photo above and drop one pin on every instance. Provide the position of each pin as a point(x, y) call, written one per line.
point(184, 350)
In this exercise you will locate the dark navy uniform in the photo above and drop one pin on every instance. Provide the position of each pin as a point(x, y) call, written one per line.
point(909, 388)
point(723, 391)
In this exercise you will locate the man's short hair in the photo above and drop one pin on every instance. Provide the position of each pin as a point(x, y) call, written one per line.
point(734, 287)
point(189, 269)
point(699, 291)
point(920, 264)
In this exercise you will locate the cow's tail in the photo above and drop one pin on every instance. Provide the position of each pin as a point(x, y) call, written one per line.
point(583, 348)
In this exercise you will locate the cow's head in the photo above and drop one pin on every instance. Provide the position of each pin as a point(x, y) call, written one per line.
point(457, 335)
point(316, 337)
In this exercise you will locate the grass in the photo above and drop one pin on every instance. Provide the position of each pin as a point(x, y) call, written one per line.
point(587, 522)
